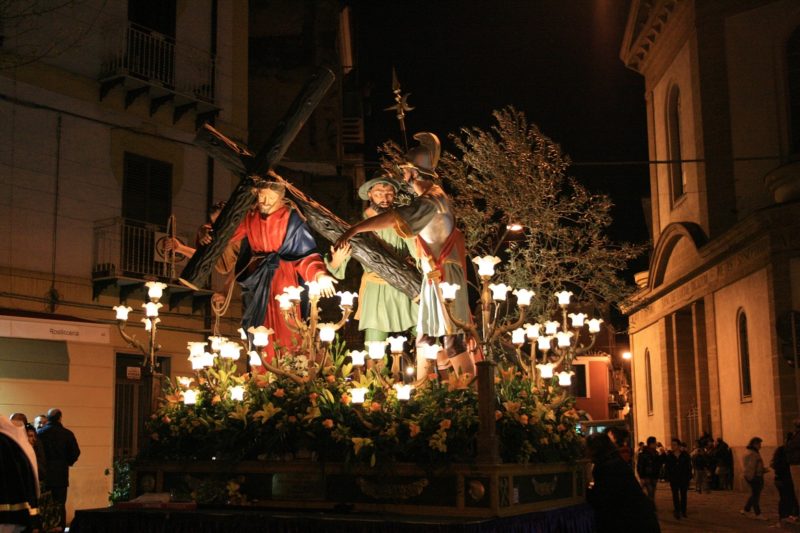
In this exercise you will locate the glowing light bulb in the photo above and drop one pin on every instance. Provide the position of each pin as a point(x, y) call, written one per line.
point(563, 297)
point(518, 336)
point(260, 335)
point(255, 359)
point(327, 331)
point(577, 319)
point(565, 378)
point(524, 297)
point(155, 290)
point(293, 292)
point(486, 265)
point(196, 349)
point(396, 344)
point(449, 290)
point(431, 351)
point(376, 349)
point(151, 309)
point(358, 394)
point(230, 350)
point(237, 393)
point(358, 357)
point(543, 342)
point(563, 339)
point(403, 391)
point(122, 311)
point(190, 397)
point(532, 330)
point(550, 327)
point(313, 289)
point(346, 298)
point(216, 342)
point(285, 301)
point(594, 325)
point(546, 370)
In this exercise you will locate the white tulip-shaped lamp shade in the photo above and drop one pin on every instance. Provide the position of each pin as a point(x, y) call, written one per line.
point(122, 311)
point(148, 324)
point(376, 349)
point(577, 319)
point(565, 378)
point(184, 381)
point(151, 309)
point(518, 336)
point(293, 292)
point(217, 342)
point(431, 351)
point(543, 342)
point(207, 360)
point(285, 301)
point(563, 338)
point(594, 325)
point(237, 393)
point(155, 290)
point(327, 331)
point(230, 350)
point(499, 291)
point(190, 397)
point(486, 265)
point(357, 394)
point(255, 359)
point(403, 391)
point(396, 344)
point(197, 362)
point(449, 290)
point(563, 297)
point(546, 370)
point(532, 331)
point(260, 335)
point(196, 349)
point(346, 298)
point(357, 357)
point(550, 327)
point(242, 334)
point(313, 289)
point(524, 296)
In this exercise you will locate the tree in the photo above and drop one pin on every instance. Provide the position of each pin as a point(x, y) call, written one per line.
point(514, 174)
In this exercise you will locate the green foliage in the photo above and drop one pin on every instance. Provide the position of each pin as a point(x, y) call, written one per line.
point(281, 418)
point(513, 173)
point(121, 487)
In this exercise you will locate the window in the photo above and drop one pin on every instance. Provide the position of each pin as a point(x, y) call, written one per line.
point(33, 359)
point(744, 357)
point(580, 381)
point(793, 78)
point(677, 176)
point(648, 382)
point(146, 189)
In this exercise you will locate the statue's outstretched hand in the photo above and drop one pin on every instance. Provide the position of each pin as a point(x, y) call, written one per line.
point(205, 234)
point(326, 287)
point(344, 239)
point(339, 255)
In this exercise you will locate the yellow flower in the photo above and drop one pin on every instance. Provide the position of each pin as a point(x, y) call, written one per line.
point(359, 443)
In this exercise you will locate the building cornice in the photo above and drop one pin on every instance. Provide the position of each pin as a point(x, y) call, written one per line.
point(647, 20)
point(750, 245)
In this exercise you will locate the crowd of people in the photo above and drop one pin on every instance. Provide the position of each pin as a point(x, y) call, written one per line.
point(710, 464)
point(34, 468)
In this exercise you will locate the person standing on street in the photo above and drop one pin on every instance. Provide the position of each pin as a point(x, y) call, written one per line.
point(787, 504)
point(754, 470)
point(679, 472)
point(648, 466)
point(61, 451)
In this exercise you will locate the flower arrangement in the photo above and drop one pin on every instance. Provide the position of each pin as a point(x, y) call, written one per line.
point(265, 415)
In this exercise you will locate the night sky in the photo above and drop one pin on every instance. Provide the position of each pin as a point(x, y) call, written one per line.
point(556, 60)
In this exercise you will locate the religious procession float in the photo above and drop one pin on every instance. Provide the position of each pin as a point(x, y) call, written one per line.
point(317, 424)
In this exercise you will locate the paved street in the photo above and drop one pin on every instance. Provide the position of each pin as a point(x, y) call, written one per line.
point(718, 511)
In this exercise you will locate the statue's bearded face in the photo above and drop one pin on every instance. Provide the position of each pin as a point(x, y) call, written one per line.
point(381, 197)
point(270, 199)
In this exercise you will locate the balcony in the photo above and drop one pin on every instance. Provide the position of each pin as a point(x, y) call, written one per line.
point(128, 253)
point(148, 64)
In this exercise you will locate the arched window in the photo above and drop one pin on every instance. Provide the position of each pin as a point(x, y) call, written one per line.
point(793, 76)
point(677, 177)
point(744, 356)
point(648, 382)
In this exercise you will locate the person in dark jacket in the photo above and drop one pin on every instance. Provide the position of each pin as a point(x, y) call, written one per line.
point(648, 466)
point(679, 471)
point(61, 451)
point(618, 502)
point(19, 492)
point(787, 504)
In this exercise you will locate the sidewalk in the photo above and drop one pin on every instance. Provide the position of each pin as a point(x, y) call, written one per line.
point(718, 512)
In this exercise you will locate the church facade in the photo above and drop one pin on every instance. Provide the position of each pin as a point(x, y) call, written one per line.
point(714, 323)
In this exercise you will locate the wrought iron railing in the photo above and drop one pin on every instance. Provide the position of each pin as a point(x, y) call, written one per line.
point(154, 57)
point(124, 247)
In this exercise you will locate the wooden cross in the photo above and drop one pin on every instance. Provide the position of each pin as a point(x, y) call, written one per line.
point(367, 249)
